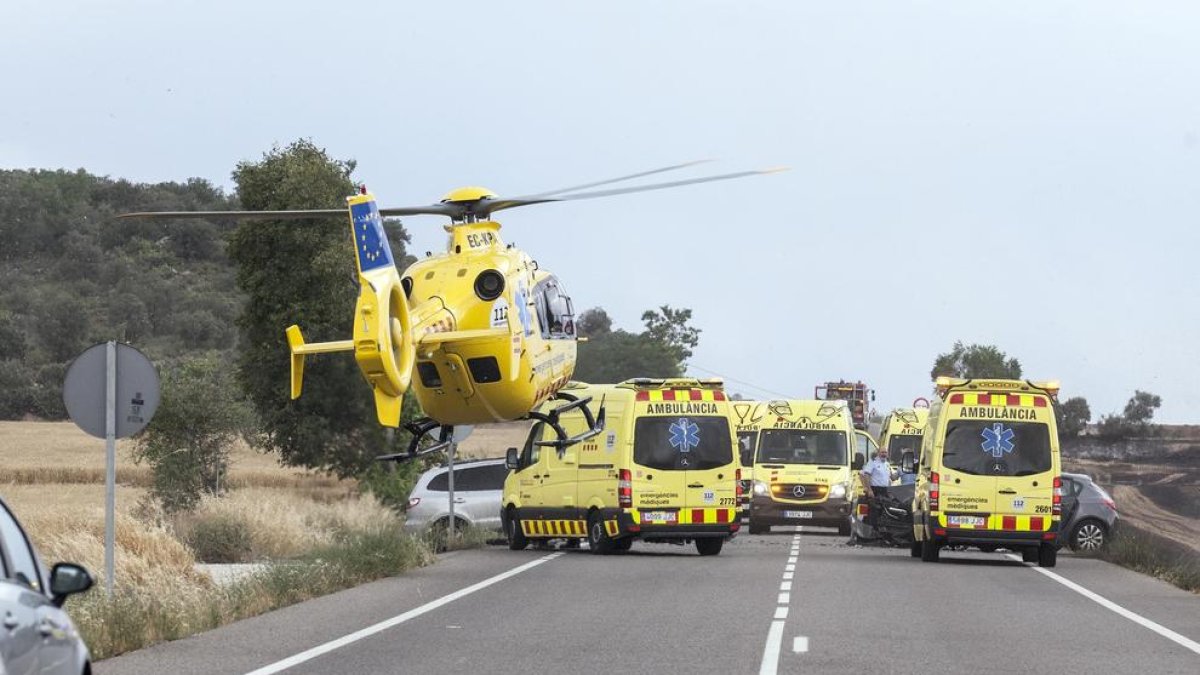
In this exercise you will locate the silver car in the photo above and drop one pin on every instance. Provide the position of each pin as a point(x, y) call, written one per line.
point(37, 636)
point(1089, 514)
point(478, 487)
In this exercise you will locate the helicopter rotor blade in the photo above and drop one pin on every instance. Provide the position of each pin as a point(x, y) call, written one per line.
point(642, 174)
point(490, 206)
point(305, 214)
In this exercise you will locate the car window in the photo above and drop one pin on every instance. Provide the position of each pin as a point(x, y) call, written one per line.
point(489, 477)
point(531, 453)
point(746, 442)
point(24, 569)
point(986, 448)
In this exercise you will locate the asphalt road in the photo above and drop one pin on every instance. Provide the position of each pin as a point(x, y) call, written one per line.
point(664, 609)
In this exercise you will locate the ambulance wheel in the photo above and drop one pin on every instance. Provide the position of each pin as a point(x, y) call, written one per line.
point(623, 544)
point(844, 529)
point(517, 541)
point(1029, 555)
point(1047, 555)
point(914, 549)
point(759, 529)
point(709, 546)
point(929, 551)
point(598, 540)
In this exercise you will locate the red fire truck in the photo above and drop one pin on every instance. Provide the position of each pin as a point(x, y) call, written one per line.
point(857, 395)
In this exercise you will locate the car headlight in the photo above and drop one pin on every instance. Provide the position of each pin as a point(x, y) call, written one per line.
point(760, 488)
point(837, 491)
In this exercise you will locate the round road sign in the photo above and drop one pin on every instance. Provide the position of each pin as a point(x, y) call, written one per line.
point(85, 387)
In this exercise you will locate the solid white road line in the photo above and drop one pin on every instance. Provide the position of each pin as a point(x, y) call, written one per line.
point(1109, 604)
point(770, 658)
point(800, 644)
point(398, 619)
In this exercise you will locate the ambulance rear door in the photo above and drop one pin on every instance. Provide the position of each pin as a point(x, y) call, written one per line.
point(682, 462)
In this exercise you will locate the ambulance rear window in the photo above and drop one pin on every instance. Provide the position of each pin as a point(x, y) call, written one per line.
point(682, 443)
point(987, 448)
point(802, 446)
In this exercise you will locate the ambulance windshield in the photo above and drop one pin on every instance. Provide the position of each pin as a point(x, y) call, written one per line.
point(802, 446)
point(898, 445)
point(988, 448)
point(682, 443)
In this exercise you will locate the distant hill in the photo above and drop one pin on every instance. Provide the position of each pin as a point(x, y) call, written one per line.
point(71, 276)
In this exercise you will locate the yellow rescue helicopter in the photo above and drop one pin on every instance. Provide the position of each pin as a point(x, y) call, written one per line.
point(488, 334)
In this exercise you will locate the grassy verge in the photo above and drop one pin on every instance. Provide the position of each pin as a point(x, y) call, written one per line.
point(132, 619)
point(1144, 552)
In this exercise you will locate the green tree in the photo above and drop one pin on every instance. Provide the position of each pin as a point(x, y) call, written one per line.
point(1073, 416)
point(669, 327)
point(1134, 420)
point(302, 272)
point(187, 442)
point(594, 323)
point(975, 361)
point(621, 355)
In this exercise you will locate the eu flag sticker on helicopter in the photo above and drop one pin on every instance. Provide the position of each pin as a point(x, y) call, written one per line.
point(370, 240)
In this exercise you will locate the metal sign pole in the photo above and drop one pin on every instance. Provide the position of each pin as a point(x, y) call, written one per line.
point(450, 464)
point(110, 469)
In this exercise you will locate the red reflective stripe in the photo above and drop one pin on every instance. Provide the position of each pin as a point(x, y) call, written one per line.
point(723, 515)
point(956, 398)
point(697, 515)
point(643, 396)
point(1035, 523)
point(1039, 402)
point(696, 395)
point(668, 394)
point(718, 396)
point(1014, 399)
point(1009, 523)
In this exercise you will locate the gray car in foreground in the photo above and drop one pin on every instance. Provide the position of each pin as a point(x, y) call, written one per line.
point(478, 486)
point(1089, 514)
point(36, 635)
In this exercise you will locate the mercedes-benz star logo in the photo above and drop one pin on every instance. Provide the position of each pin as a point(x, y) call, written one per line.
point(798, 491)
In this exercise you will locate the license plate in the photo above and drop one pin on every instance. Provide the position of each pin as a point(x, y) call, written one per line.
point(797, 514)
point(660, 517)
point(973, 521)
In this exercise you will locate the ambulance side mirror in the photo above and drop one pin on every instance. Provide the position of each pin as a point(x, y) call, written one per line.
point(907, 463)
point(512, 459)
point(859, 460)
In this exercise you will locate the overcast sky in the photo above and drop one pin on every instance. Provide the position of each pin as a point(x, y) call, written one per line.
point(1023, 174)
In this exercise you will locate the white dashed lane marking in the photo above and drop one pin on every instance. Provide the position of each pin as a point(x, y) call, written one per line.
point(770, 659)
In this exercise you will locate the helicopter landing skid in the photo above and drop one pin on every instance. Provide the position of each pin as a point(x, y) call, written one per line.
point(595, 423)
point(419, 430)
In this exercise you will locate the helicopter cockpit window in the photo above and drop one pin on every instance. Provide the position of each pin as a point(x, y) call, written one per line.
point(555, 312)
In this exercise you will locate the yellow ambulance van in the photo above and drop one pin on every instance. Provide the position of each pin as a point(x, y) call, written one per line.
point(989, 470)
point(664, 469)
point(802, 466)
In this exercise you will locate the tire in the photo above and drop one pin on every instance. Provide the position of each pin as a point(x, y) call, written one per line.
point(1089, 536)
point(623, 544)
point(1047, 555)
point(1029, 555)
point(914, 549)
point(988, 548)
point(759, 529)
point(930, 551)
point(844, 529)
point(709, 546)
point(598, 540)
point(517, 541)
